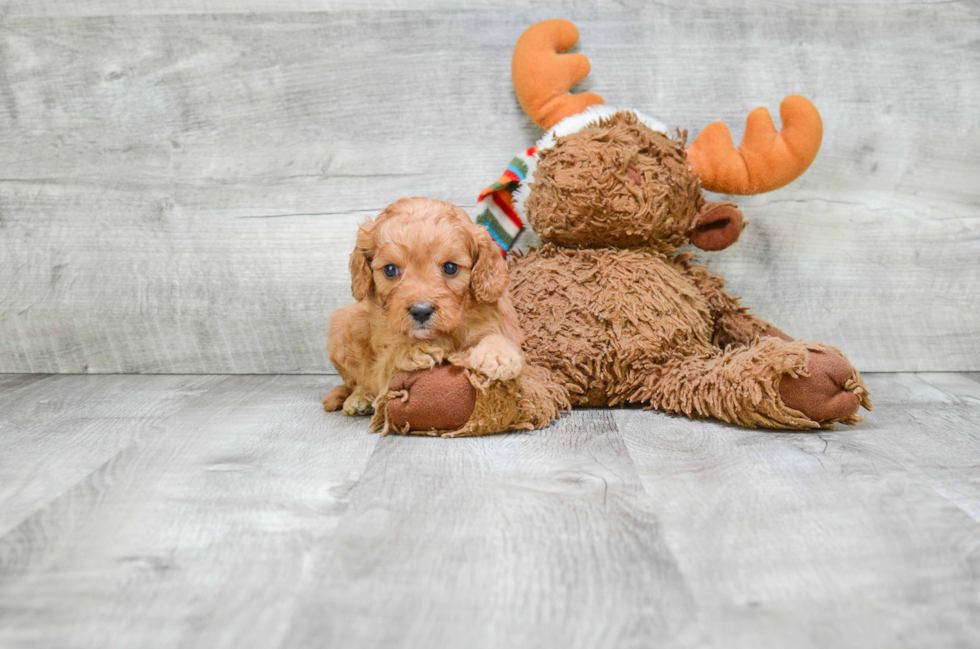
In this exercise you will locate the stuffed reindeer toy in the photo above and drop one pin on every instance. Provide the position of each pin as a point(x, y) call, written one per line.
point(612, 311)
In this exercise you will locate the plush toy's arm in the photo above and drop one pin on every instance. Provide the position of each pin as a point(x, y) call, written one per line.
point(734, 325)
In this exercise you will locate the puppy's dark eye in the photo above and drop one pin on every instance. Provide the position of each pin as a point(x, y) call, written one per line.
point(450, 268)
point(390, 270)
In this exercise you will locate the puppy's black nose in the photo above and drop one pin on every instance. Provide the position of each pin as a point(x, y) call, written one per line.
point(421, 312)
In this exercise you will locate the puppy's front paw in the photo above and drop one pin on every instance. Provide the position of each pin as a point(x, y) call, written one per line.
point(357, 404)
point(420, 358)
point(496, 358)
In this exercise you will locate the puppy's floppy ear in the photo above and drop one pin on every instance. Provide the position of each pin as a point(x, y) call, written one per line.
point(489, 278)
point(361, 276)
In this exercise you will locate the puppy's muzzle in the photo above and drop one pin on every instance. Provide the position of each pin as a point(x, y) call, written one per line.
point(421, 312)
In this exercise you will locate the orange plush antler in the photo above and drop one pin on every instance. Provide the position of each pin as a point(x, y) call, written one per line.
point(542, 75)
point(766, 159)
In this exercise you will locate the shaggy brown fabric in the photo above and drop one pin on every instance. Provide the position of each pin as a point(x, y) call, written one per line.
point(733, 324)
point(531, 401)
point(603, 318)
point(652, 343)
point(611, 309)
point(739, 385)
point(585, 190)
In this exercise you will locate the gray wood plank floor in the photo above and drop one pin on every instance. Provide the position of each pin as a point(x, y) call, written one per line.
point(231, 511)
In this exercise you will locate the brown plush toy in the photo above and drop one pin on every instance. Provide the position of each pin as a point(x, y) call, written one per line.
point(608, 305)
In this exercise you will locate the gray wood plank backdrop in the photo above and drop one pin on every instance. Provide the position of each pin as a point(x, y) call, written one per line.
point(180, 181)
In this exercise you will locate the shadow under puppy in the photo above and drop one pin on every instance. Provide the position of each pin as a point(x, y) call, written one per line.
point(432, 293)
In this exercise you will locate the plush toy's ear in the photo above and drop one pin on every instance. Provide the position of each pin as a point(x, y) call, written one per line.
point(488, 277)
point(361, 276)
point(717, 226)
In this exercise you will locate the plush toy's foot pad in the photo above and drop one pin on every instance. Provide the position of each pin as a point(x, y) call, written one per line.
point(334, 400)
point(438, 399)
point(832, 393)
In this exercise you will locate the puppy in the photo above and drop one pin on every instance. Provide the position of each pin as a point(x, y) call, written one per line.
point(430, 286)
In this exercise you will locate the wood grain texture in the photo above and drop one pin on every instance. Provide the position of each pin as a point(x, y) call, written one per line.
point(180, 182)
point(846, 538)
point(202, 511)
point(200, 530)
point(514, 540)
point(56, 431)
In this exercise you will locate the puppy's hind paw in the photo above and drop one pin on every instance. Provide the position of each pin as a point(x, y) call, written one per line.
point(334, 399)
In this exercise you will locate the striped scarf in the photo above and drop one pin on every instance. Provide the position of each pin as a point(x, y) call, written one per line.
point(495, 207)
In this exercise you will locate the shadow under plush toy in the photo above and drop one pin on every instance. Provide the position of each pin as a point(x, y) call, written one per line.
point(608, 306)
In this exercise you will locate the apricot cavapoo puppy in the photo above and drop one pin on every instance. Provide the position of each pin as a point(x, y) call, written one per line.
point(430, 285)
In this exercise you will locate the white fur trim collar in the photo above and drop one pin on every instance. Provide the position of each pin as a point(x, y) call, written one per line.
point(590, 116)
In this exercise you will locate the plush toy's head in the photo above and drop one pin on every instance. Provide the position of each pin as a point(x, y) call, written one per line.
point(606, 177)
point(619, 182)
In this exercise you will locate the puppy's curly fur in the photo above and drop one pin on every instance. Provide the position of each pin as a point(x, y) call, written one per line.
point(425, 252)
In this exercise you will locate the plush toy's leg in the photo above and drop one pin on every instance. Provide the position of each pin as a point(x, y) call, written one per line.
point(771, 384)
point(454, 402)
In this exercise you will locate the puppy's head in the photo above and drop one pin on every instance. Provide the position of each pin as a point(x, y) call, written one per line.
point(426, 263)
